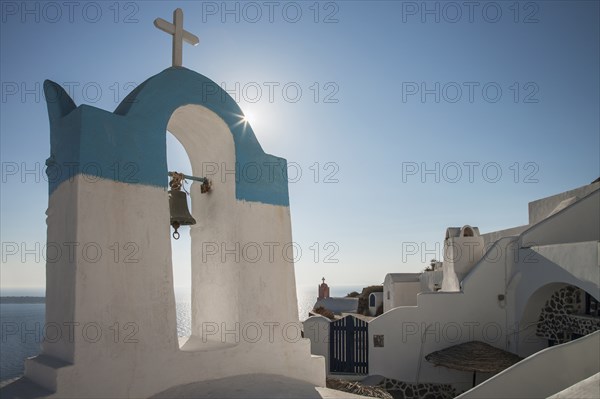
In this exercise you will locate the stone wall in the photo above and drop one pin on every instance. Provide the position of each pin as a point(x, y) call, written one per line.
point(407, 390)
point(562, 316)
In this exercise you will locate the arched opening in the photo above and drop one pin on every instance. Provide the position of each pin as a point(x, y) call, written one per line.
point(178, 160)
point(214, 271)
point(467, 231)
point(557, 313)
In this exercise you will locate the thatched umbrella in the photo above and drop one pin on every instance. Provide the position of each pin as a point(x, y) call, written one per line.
point(474, 356)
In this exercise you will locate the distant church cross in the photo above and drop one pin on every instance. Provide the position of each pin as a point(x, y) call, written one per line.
point(179, 35)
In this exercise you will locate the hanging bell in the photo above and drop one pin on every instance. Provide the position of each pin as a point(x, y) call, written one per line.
point(180, 214)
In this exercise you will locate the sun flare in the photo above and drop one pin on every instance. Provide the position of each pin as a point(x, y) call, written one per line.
point(249, 118)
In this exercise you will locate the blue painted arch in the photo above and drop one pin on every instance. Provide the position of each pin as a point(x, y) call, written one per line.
point(129, 144)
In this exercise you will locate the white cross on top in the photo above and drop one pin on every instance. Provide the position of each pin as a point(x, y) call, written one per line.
point(179, 35)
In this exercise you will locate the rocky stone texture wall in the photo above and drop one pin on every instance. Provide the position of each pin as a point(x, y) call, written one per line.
point(562, 316)
point(418, 391)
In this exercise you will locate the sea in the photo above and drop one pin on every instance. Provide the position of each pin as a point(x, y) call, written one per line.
point(21, 324)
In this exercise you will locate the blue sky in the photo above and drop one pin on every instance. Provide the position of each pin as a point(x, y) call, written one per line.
point(507, 90)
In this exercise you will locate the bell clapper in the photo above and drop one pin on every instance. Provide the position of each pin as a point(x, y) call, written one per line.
point(176, 226)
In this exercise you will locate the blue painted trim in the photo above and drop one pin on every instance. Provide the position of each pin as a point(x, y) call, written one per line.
point(129, 145)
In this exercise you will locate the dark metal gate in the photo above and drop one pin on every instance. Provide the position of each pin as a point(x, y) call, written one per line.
point(349, 346)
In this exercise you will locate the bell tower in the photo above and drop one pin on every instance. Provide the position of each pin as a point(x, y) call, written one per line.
point(463, 248)
point(110, 308)
point(323, 290)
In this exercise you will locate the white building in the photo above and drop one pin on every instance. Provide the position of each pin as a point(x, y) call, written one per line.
point(521, 289)
point(401, 289)
point(375, 301)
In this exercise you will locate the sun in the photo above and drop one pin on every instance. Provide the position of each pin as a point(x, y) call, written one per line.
point(249, 118)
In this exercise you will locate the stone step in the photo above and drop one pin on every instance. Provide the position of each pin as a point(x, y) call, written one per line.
point(43, 370)
point(22, 388)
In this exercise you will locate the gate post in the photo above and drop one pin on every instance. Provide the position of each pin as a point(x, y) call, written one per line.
point(350, 352)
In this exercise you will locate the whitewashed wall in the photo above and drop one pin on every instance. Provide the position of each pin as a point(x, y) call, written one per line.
point(316, 329)
point(544, 373)
point(440, 320)
point(244, 313)
point(400, 290)
point(540, 209)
